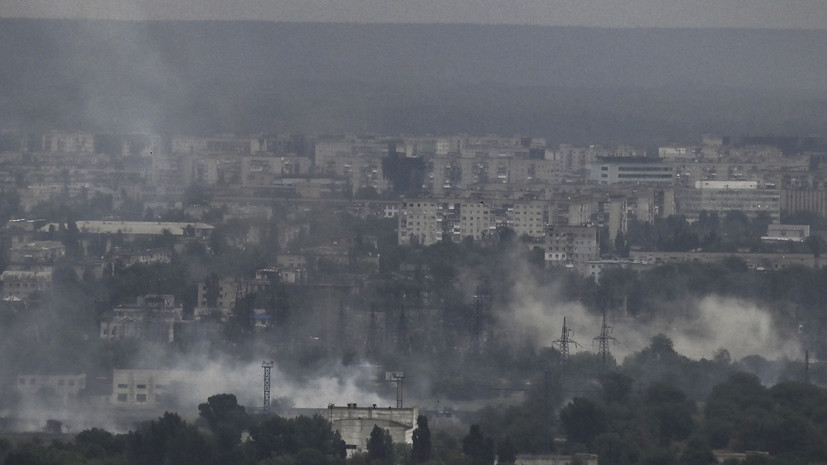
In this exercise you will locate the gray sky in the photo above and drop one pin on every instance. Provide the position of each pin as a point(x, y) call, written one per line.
point(792, 14)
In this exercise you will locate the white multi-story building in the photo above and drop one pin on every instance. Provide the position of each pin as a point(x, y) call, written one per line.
point(68, 142)
point(726, 196)
point(419, 222)
point(637, 170)
point(572, 246)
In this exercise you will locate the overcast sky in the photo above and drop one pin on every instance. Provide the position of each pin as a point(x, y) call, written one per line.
point(788, 14)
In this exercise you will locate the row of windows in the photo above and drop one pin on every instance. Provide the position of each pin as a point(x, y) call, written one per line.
point(137, 386)
point(26, 285)
point(138, 398)
point(60, 382)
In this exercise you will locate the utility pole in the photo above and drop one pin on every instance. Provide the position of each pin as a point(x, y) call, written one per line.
point(807, 366)
point(267, 365)
point(548, 408)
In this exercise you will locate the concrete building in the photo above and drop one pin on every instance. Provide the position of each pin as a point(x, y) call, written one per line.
point(63, 386)
point(355, 423)
point(754, 261)
point(227, 292)
point(572, 246)
point(19, 285)
point(582, 459)
point(152, 318)
point(420, 222)
point(637, 170)
point(192, 144)
point(804, 200)
point(148, 388)
point(130, 230)
point(37, 253)
point(68, 142)
point(787, 232)
point(726, 196)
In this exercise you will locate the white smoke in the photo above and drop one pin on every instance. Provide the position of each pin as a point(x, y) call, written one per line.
point(339, 385)
point(535, 315)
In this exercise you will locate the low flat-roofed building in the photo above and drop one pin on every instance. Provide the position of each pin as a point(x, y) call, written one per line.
point(787, 232)
point(20, 285)
point(147, 388)
point(355, 423)
point(139, 228)
point(39, 252)
point(63, 386)
point(553, 459)
point(754, 261)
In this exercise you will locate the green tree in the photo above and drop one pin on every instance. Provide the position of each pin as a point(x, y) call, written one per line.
point(612, 449)
point(506, 452)
point(670, 411)
point(583, 420)
point(226, 419)
point(421, 451)
point(697, 452)
point(168, 440)
point(380, 447)
point(478, 447)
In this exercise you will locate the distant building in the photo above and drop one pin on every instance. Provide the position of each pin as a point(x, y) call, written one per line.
point(638, 170)
point(226, 294)
point(355, 423)
point(41, 252)
point(63, 386)
point(148, 388)
point(787, 232)
point(726, 196)
point(20, 285)
point(68, 142)
point(804, 200)
point(134, 229)
point(572, 246)
point(543, 459)
point(419, 222)
point(152, 318)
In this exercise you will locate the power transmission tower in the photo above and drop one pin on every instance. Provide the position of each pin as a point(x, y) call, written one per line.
point(341, 327)
point(402, 341)
point(481, 310)
point(549, 409)
point(564, 342)
point(603, 341)
point(267, 365)
point(372, 348)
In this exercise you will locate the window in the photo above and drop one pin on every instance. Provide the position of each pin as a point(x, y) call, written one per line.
point(141, 386)
point(122, 386)
point(140, 398)
point(121, 397)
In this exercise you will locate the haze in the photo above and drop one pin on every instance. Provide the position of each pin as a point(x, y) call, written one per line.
point(794, 14)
